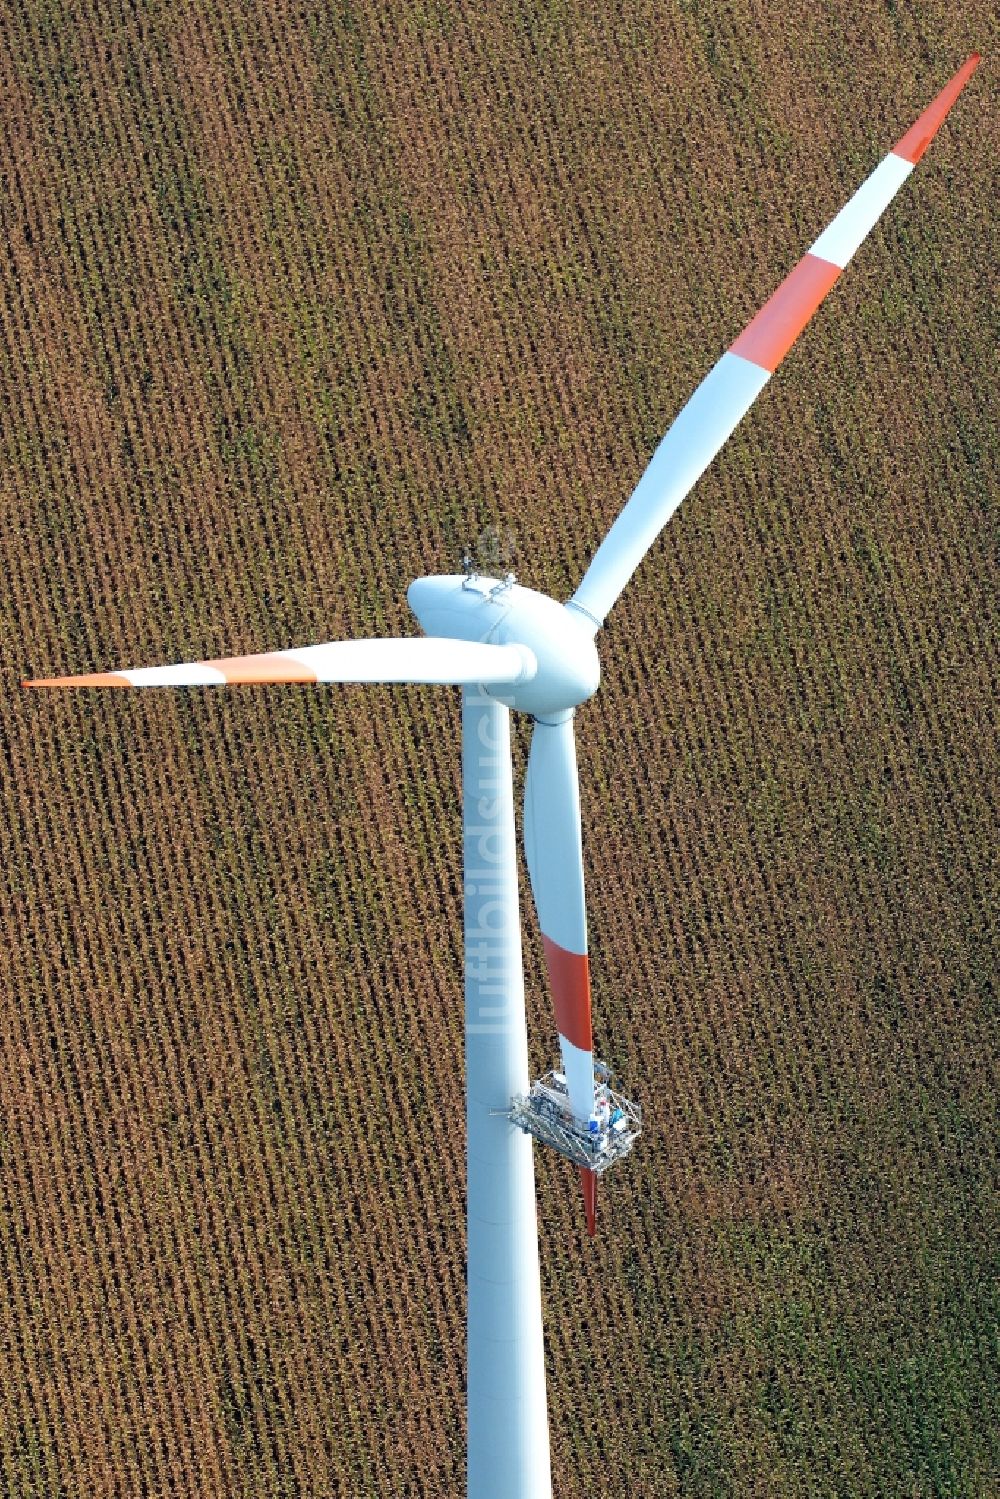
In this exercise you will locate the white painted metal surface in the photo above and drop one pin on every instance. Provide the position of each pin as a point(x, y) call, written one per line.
point(507, 1413)
point(553, 842)
point(415, 659)
point(717, 406)
point(578, 1066)
point(184, 674)
point(843, 235)
point(412, 659)
point(561, 641)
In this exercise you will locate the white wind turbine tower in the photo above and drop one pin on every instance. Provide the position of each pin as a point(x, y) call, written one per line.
point(509, 647)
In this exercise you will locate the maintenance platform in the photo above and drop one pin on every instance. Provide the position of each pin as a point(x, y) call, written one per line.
point(597, 1143)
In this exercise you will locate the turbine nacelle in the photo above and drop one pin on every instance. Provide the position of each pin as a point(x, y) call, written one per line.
point(499, 611)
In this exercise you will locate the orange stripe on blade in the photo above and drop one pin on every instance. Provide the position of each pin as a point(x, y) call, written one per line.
point(569, 975)
point(767, 339)
point(264, 668)
point(588, 1180)
point(94, 679)
point(919, 136)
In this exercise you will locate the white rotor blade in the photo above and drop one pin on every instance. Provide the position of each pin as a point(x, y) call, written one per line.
point(729, 390)
point(553, 847)
point(554, 850)
point(417, 659)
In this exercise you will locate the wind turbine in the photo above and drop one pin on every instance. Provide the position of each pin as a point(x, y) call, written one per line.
point(510, 647)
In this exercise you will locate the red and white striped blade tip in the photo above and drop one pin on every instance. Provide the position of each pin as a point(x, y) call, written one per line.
point(588, 1180)
point(234, 670)
point(413, 659)
point(914, 143)
point(100, 679)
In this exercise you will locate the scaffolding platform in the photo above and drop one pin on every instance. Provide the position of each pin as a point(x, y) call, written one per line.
point(597, 1143)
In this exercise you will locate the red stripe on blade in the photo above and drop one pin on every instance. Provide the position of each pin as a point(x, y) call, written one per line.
point(264, 668)
point(94, 679)
point(767, 339)
point(569, 976)
point(919, 136)
point(588, 1180)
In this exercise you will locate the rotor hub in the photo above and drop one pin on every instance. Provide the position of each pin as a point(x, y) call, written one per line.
point(498, 611)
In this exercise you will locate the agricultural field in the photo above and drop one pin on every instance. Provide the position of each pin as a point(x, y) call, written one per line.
point(296, 303)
